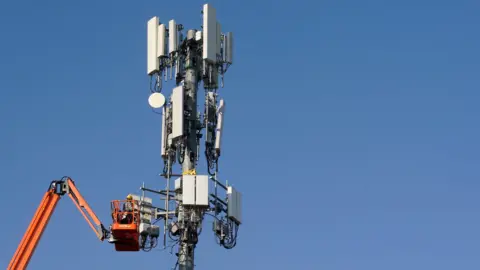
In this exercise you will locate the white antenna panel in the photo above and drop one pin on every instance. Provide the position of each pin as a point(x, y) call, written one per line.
point(228, 48)
point(164, 132)
point(177, 112)
point(201, 190)
point(209, 33)
point(162, 44)
point(152, 40)
point(195, 190)
point(219, 40)
point(219, 130)
point(234, 207)
point(172, 36)
point(188, 189)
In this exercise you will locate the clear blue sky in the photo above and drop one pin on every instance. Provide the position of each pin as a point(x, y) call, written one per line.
point(352, 130)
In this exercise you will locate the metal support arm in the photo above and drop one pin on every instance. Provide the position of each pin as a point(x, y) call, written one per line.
point(42, 216)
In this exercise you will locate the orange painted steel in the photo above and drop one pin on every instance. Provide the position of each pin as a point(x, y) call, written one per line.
point(34, 232)
point(82, 205)
point(125, 226)
point(42, 216)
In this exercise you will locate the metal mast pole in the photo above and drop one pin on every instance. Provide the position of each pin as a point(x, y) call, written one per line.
point(200, 57)
point(191, 87)
point(188, 238)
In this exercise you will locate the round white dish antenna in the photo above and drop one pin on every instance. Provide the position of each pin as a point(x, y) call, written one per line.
point(156, 100)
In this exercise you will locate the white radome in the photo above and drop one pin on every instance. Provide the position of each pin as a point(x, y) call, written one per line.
point(156, 100)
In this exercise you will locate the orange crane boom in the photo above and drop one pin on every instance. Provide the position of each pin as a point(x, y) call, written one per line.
point(42, 216)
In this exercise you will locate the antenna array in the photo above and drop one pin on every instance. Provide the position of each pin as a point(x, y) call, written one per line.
point(200, 56)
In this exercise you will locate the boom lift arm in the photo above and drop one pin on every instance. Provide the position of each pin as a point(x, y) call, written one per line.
point(40, 220)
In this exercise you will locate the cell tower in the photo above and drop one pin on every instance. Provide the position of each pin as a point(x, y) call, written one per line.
point(200, 56)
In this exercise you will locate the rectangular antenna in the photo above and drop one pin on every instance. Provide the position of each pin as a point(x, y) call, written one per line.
point(164, 132)
point(209, 33)
point(172, 36)
point(219, 130)
point(234, 205)
point(188, 189)
point(152, 40)
point(177, 112)
point(228, 48)
point(201, 190)
point(195, 190)
point(162, 44)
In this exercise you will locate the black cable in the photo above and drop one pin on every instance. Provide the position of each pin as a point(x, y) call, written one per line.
point(165, 167)
point(181, 154)
point(213, 216)
point(172, 237)
point(153, 110)
point(209, 167)
point(154, 88)
point(171, 249)
point(211, 161)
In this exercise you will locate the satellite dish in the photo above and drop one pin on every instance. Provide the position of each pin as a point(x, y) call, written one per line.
point(156, 100)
